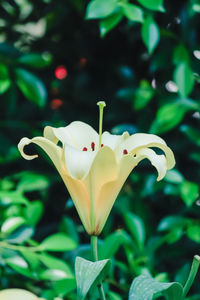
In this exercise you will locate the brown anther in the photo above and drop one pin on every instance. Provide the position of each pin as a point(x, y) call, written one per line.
point(102, 145)
point(84, 149)
point(93, 146)
point(125, 152)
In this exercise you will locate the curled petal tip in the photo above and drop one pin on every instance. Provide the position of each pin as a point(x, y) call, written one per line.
point(24, 142)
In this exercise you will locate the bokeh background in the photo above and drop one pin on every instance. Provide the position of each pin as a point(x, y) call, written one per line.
point(57, 59)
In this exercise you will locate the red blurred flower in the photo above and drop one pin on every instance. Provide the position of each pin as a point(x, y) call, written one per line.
point(56, 103)
point(82, 62)
point(61, 72)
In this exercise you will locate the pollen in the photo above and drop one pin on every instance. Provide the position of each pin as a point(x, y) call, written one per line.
point(84, 149)
point(125, 152)
point(93, 146)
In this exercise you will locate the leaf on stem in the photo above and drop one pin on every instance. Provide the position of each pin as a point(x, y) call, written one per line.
point(145, 287)
point(89, 274)
point(150, 34)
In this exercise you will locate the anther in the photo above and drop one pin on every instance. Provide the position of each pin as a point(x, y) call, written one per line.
point(125, 152)
point(84, 149)
point(93, 146)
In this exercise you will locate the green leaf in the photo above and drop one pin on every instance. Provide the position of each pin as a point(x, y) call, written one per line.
point(174, 176)
point(88, 274)
point(58, 242)
point(20, 235)
point(12, 197)
point(180, 55)
point(112, 243)
point(145, 287)
point(5, 81)
point(196, 6)
point(171, 222)
point(109, 23)
point(114, 296)
point(133, 12)
point(189, 192)
point(136, 227)
point(31, 86)
point(184, 78)
point(195, 156)
point(4, 85)
point(35, 60)
point(168, 116)
point(150, 34)
point(31, 257)
point(12, 224)
point(33, 212)
point(143, 95)
point(193, 232)
point(192, 133)
point(98, 9)
point(52, 262)
point(153, 4)
point(64, 286)
point(53, 275)
point(19, 265)
point(4, 73)
point(30, 182)
point(68, 227)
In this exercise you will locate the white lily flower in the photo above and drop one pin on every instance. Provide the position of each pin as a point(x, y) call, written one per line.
point(94, 167)
point(17, 294)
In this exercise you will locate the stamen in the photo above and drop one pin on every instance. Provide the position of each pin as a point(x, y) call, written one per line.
point(125, 152)
point(93, 146)
point(102, 145)
point(84, 149)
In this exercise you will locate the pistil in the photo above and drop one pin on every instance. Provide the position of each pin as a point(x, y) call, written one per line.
point(101, 105)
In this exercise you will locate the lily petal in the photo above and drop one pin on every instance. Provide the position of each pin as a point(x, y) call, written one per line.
point(76, 188)
point(80, 196)
point(143, 140)
point(77, 134)
point(104, 169)
point(78, 163)
point(110, 190)
point(17, 294)
point(158, 161)
point(113, 140)
point(53, 151)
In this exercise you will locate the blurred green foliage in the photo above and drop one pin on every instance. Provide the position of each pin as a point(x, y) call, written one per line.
point(57, 59)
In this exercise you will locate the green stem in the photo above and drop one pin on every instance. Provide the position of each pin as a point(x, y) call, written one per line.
point(20, 248)
point(192, 275)
point(94, 242)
